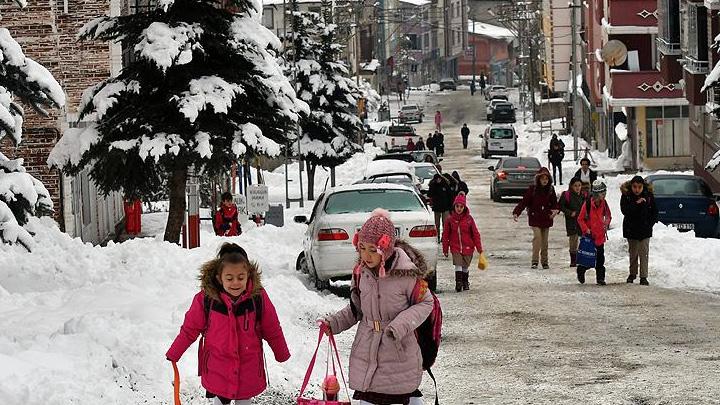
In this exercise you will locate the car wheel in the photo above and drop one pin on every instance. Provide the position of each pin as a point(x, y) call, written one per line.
point(301, 264)
point(320, 284)
point(495, 195)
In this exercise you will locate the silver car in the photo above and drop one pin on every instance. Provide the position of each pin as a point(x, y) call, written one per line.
point(410, 113)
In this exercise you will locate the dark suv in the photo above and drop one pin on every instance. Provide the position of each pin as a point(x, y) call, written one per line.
point(503, 112)
point(448, 84)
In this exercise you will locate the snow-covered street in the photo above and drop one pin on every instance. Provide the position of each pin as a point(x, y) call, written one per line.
point(85, 324)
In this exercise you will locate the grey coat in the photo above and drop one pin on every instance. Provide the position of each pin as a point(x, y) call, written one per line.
point(387, 361)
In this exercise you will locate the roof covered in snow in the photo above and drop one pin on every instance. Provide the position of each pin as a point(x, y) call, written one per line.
point(387, 166)
point(489, 30)
point(416, 2)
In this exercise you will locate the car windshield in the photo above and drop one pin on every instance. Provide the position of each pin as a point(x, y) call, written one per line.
point(521, 163)
point(346, 202)
point(409, 108)
point(680, 186)
point(424, 156)
point(501, 133)
point(400, 131)
point(503, 107)
point(425, 172)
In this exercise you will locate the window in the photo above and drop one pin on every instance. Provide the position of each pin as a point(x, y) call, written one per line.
point(368, 200)
point(668, 132)
point(681, 186)
point(697, 43)
point(142, 6)
point(669, 20)
point(413, 40)
point(268, 20)
point(314, 9)
point(85, 196)
point(426, 41)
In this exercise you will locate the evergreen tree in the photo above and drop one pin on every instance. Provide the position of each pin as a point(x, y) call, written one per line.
point(329, 134)
point(203, 90)
point(713, 81)
point(21, 194)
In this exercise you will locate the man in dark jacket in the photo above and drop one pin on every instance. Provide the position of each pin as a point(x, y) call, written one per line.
point(420, 145)
point(586, 174)
point(637, 204)
point(441, 196)
point(430, 143)
point(439, 141)
point(556, 154)
point(465, 133)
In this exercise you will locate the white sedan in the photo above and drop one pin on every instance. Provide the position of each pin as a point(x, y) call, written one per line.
point(328, 252)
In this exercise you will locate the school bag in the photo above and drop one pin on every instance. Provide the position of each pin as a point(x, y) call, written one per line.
point(429, 333)
point(587, 253)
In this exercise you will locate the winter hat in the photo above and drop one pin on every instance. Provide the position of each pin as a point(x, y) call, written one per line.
point(543, 171)
point(379, 230)
point(598, 187)
point(461, 199)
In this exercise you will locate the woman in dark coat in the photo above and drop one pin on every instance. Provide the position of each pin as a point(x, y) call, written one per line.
point(541, 203)
point(640, 214)
point(571, 201)
point(461, 185)
point(441, 196)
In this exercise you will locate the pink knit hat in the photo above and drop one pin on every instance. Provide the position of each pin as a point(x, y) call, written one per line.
point(461, 199)
point(379, 230)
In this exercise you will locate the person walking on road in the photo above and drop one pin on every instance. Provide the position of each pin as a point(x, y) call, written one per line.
point(571, 201)
point(461, 186)
point(465, 133)
point(441, 197)
point(556, 154)
point(385, 359)
point(420, 145)
point(430, 143)
point(439, 141)
point(461, 237)
point(410, 145)
point(594, 220)
point(541, 203)
point(438, 121)
point(640, 214)
point(586, 174)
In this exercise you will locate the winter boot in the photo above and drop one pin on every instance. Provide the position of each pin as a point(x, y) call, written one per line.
point(545, 266)
point(643, 281)
point(534, 265)
point(573, 259)
point(630, 279)
point(600, 276)
point(581, 275)
point(466, 280)
point(458, 281)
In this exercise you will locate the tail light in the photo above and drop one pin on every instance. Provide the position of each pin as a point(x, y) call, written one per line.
point(332, 234)
point(502, 175)
point(713, 210)
point(423, 231)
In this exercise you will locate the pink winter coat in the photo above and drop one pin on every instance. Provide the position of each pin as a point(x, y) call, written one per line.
point(460, 234)
point(598, 222)
point(231, 363)
point(385, 359)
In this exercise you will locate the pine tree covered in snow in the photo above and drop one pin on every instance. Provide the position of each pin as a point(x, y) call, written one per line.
point(329, 133)
point(203, 90)
point(713, 81)
point(21, 194)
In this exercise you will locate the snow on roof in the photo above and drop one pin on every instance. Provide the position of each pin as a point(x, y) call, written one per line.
point(489, 30)
point(416, 2)
point(387, 166)
point(370, 186)
point(370, 66)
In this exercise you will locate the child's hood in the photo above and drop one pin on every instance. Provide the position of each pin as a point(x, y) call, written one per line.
point(406, 261)
point(626, 187)
point(210, 285)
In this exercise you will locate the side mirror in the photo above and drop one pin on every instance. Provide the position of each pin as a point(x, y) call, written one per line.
point(440, 159)
point(300, 219)
point(717, 196)
point(491, 168)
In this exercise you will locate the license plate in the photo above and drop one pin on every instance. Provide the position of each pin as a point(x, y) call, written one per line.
point(397, 231)
point(495, 143)
point(684, 227)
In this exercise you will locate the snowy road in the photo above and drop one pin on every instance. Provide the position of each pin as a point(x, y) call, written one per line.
point(522, 336)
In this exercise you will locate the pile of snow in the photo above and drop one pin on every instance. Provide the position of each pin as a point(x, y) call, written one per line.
point(86, 324)
point(714, 162)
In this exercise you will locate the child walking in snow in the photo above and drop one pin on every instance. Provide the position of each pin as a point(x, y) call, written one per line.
point(461, 237)
point(640, 214)
point(233, 313)
point(385, 360)
point(571, 202)
point(594, 220)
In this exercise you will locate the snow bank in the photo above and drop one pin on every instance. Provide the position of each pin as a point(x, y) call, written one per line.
point(85, 324)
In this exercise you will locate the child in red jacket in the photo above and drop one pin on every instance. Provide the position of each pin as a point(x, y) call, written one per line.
point(226, 218)
point(594, 220)
point(234, 314)
point(461, 237)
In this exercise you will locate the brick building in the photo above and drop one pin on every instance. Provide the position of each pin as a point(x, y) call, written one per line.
point(493, 47)
point(47, 33)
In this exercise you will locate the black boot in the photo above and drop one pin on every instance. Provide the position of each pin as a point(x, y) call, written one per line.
point(630, 279)
point(573, 259)
point(581, 275)
point(643, 281)
point(458, 281)
point(466, 281)
point(600, 276)
point(533, 265)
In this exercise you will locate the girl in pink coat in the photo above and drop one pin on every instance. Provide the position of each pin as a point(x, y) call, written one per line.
point(462, 238)
point(233, 313)
point(385, 359)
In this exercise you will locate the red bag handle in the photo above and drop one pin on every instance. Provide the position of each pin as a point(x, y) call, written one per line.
point(176, 384)
point(308, 373)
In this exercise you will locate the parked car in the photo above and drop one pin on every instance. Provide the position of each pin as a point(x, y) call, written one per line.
point(499, 139)
point(385, 169)
point(490, 106)
point(414, 156)
point(512, 176)
point(686, 202)
point(328, 252)
point(404, 156)
point(395, 137)
point(503, 112)
point(494, 89)
point(448, 84)
point(410, 113)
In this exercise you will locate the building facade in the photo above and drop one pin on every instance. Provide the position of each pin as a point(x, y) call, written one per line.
point(494, 54)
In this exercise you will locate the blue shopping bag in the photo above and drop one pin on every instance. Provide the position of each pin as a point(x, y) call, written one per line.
point(586, 252)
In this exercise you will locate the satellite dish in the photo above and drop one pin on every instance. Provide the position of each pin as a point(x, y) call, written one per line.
point(614, 53)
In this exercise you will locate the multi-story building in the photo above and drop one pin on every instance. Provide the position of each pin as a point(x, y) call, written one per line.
point(494, 56)
point(455, 20)
point(557, 31)
point(640, 92)
point(684, 41)
point(47, 33)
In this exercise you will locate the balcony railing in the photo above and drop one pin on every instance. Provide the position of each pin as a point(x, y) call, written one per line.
point(642, 85)
point(697, 67)
point(668, 48)
point(633, 13)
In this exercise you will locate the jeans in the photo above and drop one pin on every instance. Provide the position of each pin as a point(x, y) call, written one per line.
point(440, 218)
point(573, 243)
point(540, 244)
point(639, 252)
point(557, 167)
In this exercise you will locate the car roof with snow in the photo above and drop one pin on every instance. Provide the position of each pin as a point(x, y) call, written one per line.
point(502, 126)
point(368, 186)
point(423, 164)
point(380, 167)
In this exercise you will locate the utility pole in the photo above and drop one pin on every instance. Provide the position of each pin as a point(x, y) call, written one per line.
point(474, 53)
point(573, 91)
